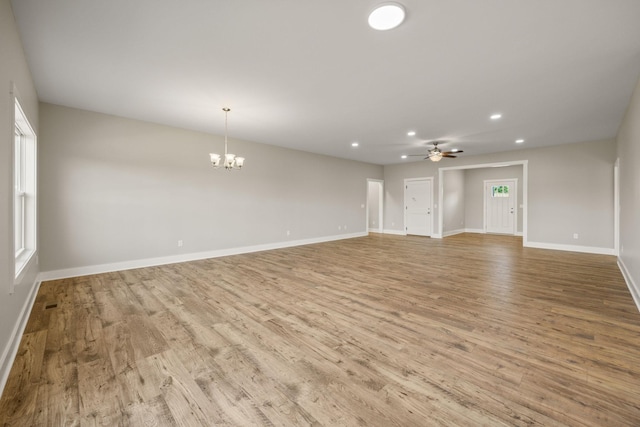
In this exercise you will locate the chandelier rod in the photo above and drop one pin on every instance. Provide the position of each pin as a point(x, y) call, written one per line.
point(226, 113)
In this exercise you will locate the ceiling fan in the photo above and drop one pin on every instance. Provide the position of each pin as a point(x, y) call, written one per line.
point(435, 154)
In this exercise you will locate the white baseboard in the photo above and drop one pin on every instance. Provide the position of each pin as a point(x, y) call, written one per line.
point(633, 287)
point(453, 232)
point(11, 349)
point(474, 230)
point(571, 248)
point(172, 259)
point(471, 230)
point(375, 230)
point(396, 232)
point(463, 230)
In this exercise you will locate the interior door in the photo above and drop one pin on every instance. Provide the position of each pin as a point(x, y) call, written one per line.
point(417, 200)
point(500, 206)
point(375, 195)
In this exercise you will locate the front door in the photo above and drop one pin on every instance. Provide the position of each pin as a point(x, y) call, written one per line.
point(417, 201)
point(500, 206)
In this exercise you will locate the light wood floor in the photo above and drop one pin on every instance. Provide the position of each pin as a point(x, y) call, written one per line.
point(471, 330)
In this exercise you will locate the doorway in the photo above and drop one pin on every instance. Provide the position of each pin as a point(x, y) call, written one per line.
point(418, 205)
point(523, 194)
point(500, 201)
point(375, 197)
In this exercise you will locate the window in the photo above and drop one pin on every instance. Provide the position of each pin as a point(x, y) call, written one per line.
point(20, 195)
point(499, 191)
point(24, 200)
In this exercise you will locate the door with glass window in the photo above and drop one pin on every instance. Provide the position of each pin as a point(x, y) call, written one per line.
point(500, 206)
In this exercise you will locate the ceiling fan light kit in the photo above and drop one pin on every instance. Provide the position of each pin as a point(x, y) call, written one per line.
point(435, 157)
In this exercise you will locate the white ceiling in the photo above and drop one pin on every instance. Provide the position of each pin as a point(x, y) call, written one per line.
point(311, 75)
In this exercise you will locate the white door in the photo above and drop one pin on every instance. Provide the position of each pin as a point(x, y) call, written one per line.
point(417, 202)
point(500, 206)
point(375, 195)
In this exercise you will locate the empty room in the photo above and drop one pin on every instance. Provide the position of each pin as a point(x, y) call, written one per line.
point(322, 213)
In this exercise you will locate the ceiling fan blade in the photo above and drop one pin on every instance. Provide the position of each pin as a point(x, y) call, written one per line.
point(412, 155)
point(448, 155)
point(452, 152)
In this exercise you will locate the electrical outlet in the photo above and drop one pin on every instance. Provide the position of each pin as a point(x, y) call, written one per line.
point(179, 243)
point(288, 233)
point(339, 227)
point(345, 227)
point(575, 235)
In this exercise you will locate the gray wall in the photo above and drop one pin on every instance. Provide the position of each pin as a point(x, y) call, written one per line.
point(474, 193)
point(629, 154)
point(570, 191)
point(116, 190)
point(13, 68)
point(454, 201)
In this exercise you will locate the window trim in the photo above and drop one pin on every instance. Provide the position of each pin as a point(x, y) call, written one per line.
point(24, 188)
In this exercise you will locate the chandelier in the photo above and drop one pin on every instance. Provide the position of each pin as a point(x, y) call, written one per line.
point(230, 160)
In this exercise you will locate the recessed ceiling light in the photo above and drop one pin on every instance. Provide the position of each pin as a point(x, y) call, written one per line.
point(386, 16)
point(496, 116)
point(354, 144)
point(411, 133)
point(519, 141)
point(404, 156)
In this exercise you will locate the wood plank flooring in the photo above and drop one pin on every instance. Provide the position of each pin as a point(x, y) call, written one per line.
point(470, 330)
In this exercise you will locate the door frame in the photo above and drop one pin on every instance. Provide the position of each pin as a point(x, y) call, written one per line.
point(429, 180)
point(525, 183)
point(380, 205)
point(515, 207)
